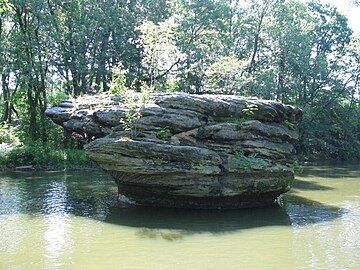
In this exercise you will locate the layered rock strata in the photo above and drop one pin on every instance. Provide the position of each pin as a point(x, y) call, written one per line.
point(191, 151)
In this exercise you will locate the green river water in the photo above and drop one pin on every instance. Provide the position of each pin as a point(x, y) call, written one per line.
point(72, 221)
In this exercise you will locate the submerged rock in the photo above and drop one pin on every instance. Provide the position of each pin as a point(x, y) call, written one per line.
point(191, 151)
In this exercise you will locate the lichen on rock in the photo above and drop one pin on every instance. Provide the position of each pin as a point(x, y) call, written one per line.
point(193, 151)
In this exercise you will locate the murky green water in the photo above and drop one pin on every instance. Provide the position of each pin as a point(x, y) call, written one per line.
point(69, 221)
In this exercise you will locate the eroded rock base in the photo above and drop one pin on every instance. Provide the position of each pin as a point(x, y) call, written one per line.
point(145, 197)
point(224, 192)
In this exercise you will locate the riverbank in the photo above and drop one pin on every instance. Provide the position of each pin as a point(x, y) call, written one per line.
point(43, 158)
point(49, 158)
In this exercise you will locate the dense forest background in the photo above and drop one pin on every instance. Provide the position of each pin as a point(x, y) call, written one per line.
point(297, 52)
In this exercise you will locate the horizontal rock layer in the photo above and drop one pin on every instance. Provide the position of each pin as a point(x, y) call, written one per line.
point(182, 150)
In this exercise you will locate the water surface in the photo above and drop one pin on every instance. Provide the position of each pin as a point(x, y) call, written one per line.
point(71, 221)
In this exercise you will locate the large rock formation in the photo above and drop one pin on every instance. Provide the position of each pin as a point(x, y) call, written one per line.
point(182, 150)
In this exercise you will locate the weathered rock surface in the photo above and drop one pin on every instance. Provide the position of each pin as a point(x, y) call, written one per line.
point(196, 151)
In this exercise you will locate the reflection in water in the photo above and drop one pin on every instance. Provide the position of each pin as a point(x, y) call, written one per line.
point(198, 221)
point(294, 210)
point(329, 245)
point(57, 222)
point(37, 212)
point(10, 227)
point(63, 221)
point(57, 237)
point(303, 211)
point(55, 198)
point(10, 234)
point(166, 235)
point(349, 229)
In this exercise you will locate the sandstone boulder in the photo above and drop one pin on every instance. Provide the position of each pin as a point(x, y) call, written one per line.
point(192, 151)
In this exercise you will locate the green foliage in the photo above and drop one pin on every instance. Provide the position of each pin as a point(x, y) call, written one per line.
point(172, 86)
point(4, 6)
point(225, 74)
point(163, 134)
point(146, 93)
point(159, 46)
point(250, 110)
point(45, 156)
point(298, 52)
point(134, 103)
point(54, 98)
point(239, 120)
point(298, 168)
point(289, 125)
point(331, 133)
point(118, 82)
point(247, 162)
point(8, 135)
point(159, 160)
point(20, 150)
point(248, 114)
point(118, 155)
point(132, 114)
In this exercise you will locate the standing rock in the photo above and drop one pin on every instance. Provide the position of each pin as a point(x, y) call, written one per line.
point(191, 151)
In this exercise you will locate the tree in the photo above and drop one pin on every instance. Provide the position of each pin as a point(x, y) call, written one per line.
point(297, 52)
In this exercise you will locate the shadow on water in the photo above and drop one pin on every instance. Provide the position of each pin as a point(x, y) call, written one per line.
point(292, 211)
point(309, 185)
point(175, 224)
point(303, 211)
point(214, 221)
point(91, 195)
point(332, 171)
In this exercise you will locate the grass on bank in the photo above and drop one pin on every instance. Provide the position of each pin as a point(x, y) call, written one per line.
point(44, 156)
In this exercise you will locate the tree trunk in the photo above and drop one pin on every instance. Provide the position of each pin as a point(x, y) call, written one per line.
point(280, 95)
point(101, 69)
point(262, 14)
point(32, 112)
point(6, 95)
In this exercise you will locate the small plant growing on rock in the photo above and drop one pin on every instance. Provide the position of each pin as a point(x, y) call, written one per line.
point(118, 155)
point(248, 114)
point(298, 168)
point(146, 94)
point(289, 124)
point(250, 110)
point(251, 161)
point(133, 113)
point(238, 121)
point(163, 134)
point(159, 160)
point(118, 80)
point(135, 103)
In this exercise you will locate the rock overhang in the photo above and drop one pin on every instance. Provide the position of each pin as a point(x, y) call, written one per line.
point(196, 151)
